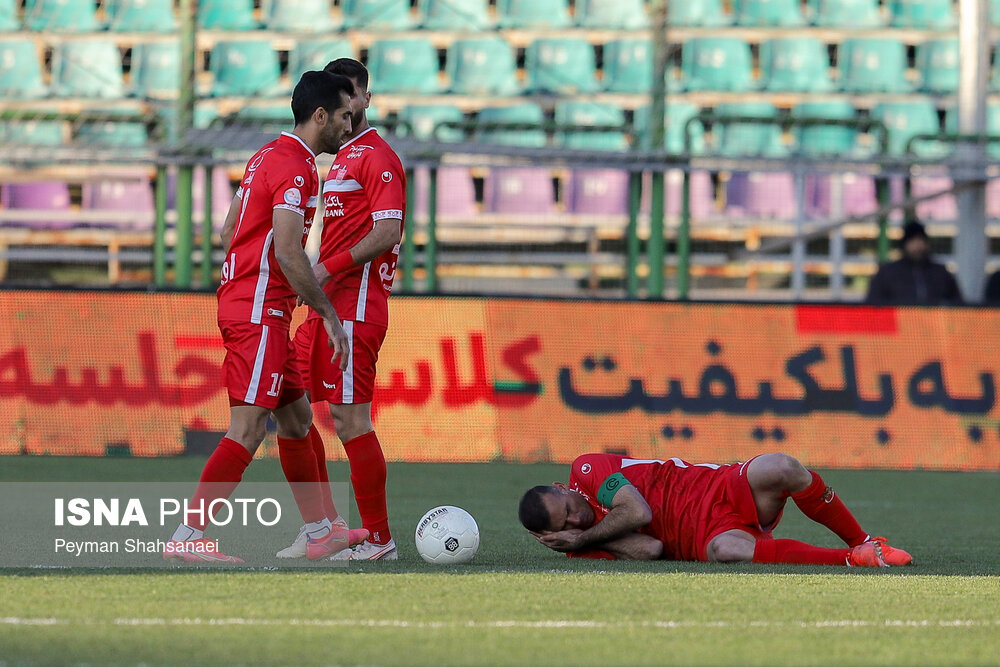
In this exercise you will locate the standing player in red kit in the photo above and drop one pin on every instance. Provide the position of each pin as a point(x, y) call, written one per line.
point(365, 201)
point(265, 270)
point(642, 509)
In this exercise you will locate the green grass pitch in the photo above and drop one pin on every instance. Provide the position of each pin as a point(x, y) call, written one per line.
point(518, 604)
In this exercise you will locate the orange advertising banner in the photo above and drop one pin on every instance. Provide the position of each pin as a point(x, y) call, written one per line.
point(468, 379)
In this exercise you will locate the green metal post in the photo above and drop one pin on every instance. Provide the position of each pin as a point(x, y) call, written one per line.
point(409, 244)
point(684, 240)
point(185, 228)
point(657, 243)
point(186, 94)
point(206, 232)
point(160, 229)
point(430, 251)
point(882, 193)
point(632, 235)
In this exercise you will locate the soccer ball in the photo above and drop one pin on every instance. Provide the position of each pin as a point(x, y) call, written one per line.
point(447, 535)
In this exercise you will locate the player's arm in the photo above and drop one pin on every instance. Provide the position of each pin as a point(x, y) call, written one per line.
point(384, 236)
point(629, 512)
point(634, 546)
point(229, 226)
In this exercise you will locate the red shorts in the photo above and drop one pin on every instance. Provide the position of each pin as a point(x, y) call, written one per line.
point(323, 378)
point(259, 368)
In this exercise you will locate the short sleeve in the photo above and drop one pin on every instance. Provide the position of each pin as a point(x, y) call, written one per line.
point(589, 471)
point(385, 184)
point(291, 185)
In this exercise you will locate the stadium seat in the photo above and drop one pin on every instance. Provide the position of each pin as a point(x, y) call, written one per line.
point(992, 126)
point(736, 139)
point(140, 15)
point(403, 66)
point(226, 15)
point(561, 66)
point(597, 192)
point(533, 13)
point(60, 15)
point(87, 69)
point(762, 195)
point(704, 13)
point(222, 194)
point(456, 192)
point(944, 208)
point(676, 116)
point(482, 66)
point(857, 195)
point(526, 113)
point(716, 63)
point(702, 198)
point(421, 122)
point(117, 133)
point(908, 119)
point(271, 118)
point(821, 140)
point(519, 190)
point(298, 15)
point(244, 68)
point(795, 64)
point(376, 14)
point(48, 198)
point(846, 13)
point(156, 70)
point(8, 16)
point(621, 15)
point(922, 14)
point(454, 14)
point(937, 61)
point(21, 69)
point(315, 54)
point(628, 66)
point(33, 132)
point(589, 114)
point(781, 13)
point(873, 65)
point(132, 199)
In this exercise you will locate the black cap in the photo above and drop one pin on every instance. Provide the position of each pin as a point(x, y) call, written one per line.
point(912, 230)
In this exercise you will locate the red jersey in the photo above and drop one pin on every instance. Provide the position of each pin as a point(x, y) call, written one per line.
point(282, 175)
point(691, 503)
point(366, 184)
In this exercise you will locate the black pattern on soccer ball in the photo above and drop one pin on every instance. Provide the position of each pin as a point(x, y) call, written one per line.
point(451, 544)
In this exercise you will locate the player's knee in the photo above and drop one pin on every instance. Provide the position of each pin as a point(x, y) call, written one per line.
point(792, 474)
point(729, 548)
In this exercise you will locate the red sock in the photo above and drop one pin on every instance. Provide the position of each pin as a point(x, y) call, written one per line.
point(822, 505)
point(220, 476)
point(319, 451)
point(299, 465)
point(368, 478)
point(799, 553)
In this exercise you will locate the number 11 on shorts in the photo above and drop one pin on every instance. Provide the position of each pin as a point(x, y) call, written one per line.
point(276, 380)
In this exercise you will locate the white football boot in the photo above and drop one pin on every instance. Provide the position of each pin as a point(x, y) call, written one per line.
point(297, 549)
point(369, 551)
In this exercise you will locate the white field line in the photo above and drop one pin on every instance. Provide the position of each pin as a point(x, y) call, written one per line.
point(557, 624)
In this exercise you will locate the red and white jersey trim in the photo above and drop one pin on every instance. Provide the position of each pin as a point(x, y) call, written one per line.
point(262, 280)
point(387, 214)
point(350, 185)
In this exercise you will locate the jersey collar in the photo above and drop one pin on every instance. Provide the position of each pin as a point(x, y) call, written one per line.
point(298, 139)
point(345, 145)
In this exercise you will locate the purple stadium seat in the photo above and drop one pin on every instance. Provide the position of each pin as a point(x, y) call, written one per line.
point(40, 197)
point(456, 193)
point(993, 198)
point(762, 194)
point(222, 195)
point(857, 194)
point(519, 190)
point(597, 192)
point(121, 197)
point(702, 194)
point(939, 208)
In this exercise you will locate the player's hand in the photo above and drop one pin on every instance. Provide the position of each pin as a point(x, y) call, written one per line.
point(563, 540)
point(338, 341)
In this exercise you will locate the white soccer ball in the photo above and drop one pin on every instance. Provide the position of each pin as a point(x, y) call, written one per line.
point(447, 535)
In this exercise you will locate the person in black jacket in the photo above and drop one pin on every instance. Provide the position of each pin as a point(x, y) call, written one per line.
point(914, 279)
point(991, 295)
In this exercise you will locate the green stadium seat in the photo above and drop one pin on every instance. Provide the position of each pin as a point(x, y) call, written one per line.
point(992, 126)
point(140, 15)
point(781, 13)
point(628, 66)
point(33, 132)
point(716, 63)
point(795, 64)
point(61, 15)
point(822, 140)
point(376, 14)
point(676, 116)
point(116, 133)
point(923, 14)
point(737, 139)
point(705, 13)
point(873, 65)
point(243, 68)
point(298, 15)
point(562, 66)
point(315, 54)
point(21, 69)
point(846, 13)
point(8, 16)
point(421, 122)
point(994, 12)
point(533, 13)
point(937, 61)
point(156, 70)
point(620, 15)
point(482, 66)
point(226, 15)
point(454, 14)
point(589, 114)
point(403, 66)
point(908, 119)
point(267, 117)
point(527, 113)
point(87, 69)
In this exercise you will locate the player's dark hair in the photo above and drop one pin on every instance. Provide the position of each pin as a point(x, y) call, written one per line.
point(319, 89)
point(350, 68)
point(532, 512)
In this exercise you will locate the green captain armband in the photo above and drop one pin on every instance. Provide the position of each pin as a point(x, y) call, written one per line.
point(609, 487)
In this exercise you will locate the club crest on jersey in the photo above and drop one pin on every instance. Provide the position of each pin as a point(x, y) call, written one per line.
point(299, 181)
point(293, 197)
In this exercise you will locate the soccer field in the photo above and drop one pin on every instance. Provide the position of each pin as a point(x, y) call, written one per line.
point(518, 604)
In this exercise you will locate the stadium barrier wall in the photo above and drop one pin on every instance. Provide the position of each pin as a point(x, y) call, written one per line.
point(472, 379)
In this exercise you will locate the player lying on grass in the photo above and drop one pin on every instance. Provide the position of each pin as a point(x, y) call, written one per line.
point(641, 509)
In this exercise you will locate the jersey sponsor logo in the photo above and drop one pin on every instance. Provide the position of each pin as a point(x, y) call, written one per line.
point(275, 312)
point(334, 207)
point(328, 385)
point(357, 150)
point(299, 181)
point(293, 197)
point(386, 176)
point(585, 468)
